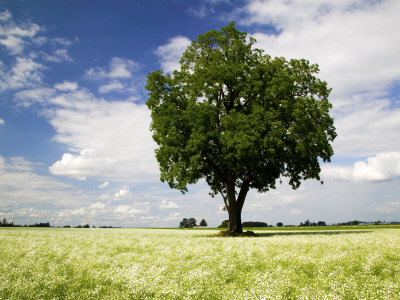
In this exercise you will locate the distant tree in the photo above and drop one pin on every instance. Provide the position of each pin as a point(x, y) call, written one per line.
point(254, 224)
point(203, 223)
point(350, 223)
point(191, 222)
point(224, 224)
point(306, 223)
point(86, 226)
point(187, 223)
point(279, 224)
point(321, 223)
point(67, 226)
point(239, 119)
point(184, 223)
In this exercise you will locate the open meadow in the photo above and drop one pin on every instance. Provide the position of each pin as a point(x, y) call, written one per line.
point(52, 263)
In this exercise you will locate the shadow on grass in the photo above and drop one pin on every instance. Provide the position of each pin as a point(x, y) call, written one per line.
point(263, 234)
point(291, 233)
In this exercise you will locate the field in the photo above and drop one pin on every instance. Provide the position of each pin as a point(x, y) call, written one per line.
point(51, 263)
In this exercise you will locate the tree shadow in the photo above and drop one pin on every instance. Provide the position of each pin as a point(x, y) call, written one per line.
point(290, 233)
point(260, 234)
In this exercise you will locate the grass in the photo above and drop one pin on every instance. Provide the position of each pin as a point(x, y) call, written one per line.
point(50, 263)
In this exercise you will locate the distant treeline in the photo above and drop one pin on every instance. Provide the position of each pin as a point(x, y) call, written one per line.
point(4, 223)
point(88, 226)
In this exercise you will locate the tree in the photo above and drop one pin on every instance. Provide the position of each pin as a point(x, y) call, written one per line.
point(279, 224)
point(191, 222)
point(254, 224)
point(239, 119)
point(188, 223)
point(224, 224)
point(184, 223)
point(203, 223)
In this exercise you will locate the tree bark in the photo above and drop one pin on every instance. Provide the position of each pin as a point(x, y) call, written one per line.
point(236, 205)
point(235, 219)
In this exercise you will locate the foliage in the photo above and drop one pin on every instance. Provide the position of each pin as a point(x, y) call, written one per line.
point(203, 223)
point(254, 224)
point(224, 224)
point(5, 223)
point(279, 224)
point(355, 222)
point(239, 119)
point(52, 263)
point(188, 223)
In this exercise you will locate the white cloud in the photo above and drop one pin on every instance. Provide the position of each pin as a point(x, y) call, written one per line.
point(20, 187)
point(15, 37)
point(111, 140)
point(98, 205)
point(113, 86)
point(381, 167)
point(355, 43)
point(118, 68)
point(59, 55)
point(168, 205)
point(66, 86)
point(171, 53)
point(173, 217)
point(14, 44)
point(370, 126)
point(122, 193)
point(2, 122)
point(127, 211)
point(25, 73)
point(104, 185)
point(5, 15)
point(26, 98)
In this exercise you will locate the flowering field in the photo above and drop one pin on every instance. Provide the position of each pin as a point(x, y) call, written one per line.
point(39, 263)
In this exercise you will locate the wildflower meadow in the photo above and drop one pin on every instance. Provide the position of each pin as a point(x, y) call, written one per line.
point(58, 263)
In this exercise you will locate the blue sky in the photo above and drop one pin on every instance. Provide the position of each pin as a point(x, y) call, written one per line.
point(74, 141)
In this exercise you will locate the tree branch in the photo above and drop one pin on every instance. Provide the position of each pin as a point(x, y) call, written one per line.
point(243, 191)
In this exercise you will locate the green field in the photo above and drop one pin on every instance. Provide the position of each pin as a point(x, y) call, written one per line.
point(50, 263)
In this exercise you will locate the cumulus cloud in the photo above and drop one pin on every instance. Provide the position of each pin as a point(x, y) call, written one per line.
point(5, 15)
point(381, 167)
point(66, 86)
point(122, 193)
point(25, 73)
point(15, 36)
point(26, 98)
point(104, 185)
point(121, 148)
point(41, 190)
point(113, 86)
point(58, 55)
point(118, 68)
point(171, 53)
point(173, 217)
point(2, 122)
point(355, 43)
point(168, 205)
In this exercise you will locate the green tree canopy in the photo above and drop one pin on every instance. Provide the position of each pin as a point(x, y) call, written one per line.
point(239, 119)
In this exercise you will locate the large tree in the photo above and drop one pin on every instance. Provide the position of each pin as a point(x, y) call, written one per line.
point(239, 119)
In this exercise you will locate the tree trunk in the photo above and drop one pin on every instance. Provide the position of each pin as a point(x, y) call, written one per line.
point(235, 219)
point(236, 205)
